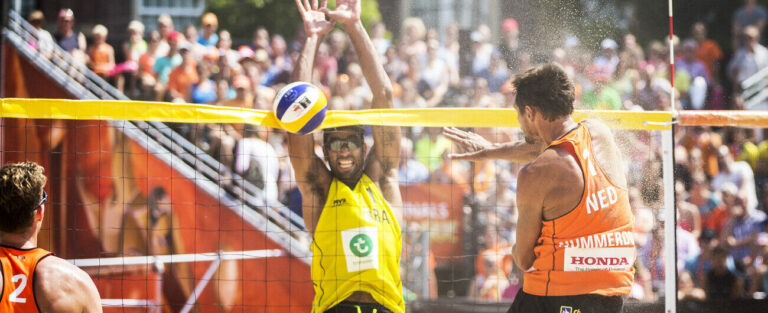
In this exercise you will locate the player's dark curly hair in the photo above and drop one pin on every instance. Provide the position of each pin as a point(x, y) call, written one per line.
point(21, 190)
point(546, 88)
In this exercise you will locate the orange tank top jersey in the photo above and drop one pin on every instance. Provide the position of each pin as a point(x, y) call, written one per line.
point(18, 273)
point(591, 249)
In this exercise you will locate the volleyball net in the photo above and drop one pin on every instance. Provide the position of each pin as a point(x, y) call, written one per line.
point(164, 215)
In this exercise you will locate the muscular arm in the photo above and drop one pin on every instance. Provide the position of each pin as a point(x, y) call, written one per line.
point(548, 187)
point(478, 148)
point(530, 201)
point(63, 287)
point(312, 177)
point(386, 151)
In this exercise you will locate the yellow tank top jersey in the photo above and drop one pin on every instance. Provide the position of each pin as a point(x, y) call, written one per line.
point(356, 247)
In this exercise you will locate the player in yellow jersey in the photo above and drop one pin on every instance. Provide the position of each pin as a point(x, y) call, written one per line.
point(353, 209)
point(32, 279)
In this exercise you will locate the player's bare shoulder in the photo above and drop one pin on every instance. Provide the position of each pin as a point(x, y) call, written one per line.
point(63, 287)
point(555, 167)
point(607, 153)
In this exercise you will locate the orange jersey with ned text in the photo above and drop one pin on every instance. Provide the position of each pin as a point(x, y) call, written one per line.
point(17, 267)
point(591, 249)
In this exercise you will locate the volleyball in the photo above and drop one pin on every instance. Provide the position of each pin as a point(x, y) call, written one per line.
point(300, 107)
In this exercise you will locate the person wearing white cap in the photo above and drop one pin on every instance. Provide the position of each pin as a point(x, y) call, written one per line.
point(608, 57)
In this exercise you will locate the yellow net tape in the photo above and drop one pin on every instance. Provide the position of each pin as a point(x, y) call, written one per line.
point(196, 113)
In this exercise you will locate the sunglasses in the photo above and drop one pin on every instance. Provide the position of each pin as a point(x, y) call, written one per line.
point(351, 143)
point(45, 198)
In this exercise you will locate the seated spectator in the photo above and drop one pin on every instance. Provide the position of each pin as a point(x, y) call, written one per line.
point(228, 57)
point(165, 27)
point(204, 91)
point(67, 39)
point(748, 60)
point(183, 76)
point(751, 14)
point(210, 23)
point(481, 51)
point(260, 39)
point(411, 171)
point(101, 54)
point(44, 42)
point(281, 65)
point(712, 210)
point(430, 148)
point(687, 290)
point(378, 31)
point(327, 66)
point(698, 72)
point(190, 41)
point(497, 73)
point(257, 162)
point(133, 49)
point(707, 51)
point(164, 65)
point(608, 58)
point(688, 217)
point(413, 33)
point(147, 78)
point(492, 286)
point(722, 283)
point(737, 173)
point(741, 231)
point(601, 96)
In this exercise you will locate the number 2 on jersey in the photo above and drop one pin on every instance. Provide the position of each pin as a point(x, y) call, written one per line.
point(14, 297)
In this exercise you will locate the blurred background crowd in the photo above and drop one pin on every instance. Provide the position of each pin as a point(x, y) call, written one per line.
point(721, 172)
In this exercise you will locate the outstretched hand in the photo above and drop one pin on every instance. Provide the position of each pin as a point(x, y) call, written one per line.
point(314, 18)
point(346, 12)
point(475, 147)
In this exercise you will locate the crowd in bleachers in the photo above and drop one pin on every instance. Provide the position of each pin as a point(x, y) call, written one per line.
point(721, 172)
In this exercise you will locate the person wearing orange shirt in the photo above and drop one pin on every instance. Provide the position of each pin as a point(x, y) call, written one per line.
point(101, 54)
point(574, 237)
point(34, 280)
point(708, 51)
point(183, 76)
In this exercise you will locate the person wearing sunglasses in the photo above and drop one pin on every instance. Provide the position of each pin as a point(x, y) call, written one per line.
point(353, 206)
point(33, 279)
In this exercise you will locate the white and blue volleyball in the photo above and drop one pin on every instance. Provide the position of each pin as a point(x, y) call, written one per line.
point(300, 107)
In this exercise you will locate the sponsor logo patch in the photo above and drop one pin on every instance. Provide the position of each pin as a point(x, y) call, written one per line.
point(361, 249)
point(598, 259)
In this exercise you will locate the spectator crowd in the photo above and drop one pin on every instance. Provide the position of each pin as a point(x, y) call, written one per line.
point(721, 172)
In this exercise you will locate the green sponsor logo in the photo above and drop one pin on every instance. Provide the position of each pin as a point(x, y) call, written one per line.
point(361, 245)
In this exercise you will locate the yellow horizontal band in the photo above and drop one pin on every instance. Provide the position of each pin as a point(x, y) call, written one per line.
point(198, 113)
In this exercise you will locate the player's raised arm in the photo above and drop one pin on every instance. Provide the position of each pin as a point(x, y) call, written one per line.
point(383, 165)
point(312, 176)
point(476, 148)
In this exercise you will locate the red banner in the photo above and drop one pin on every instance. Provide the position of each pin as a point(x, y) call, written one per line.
point(437, 209)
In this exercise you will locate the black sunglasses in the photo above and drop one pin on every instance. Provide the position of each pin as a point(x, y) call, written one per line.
point(45, 198)
point(351, 143)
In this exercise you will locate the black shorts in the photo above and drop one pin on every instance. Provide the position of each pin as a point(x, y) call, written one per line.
point(358, 307)
point(590, 303)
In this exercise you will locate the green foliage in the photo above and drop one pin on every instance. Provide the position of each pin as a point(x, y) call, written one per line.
point(242, 17)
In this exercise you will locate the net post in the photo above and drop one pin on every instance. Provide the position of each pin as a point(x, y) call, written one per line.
point(670, 221)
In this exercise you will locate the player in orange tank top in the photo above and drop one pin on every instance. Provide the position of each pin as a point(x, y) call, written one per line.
point(18, 271)
point(574, 230)
point(33, 280)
